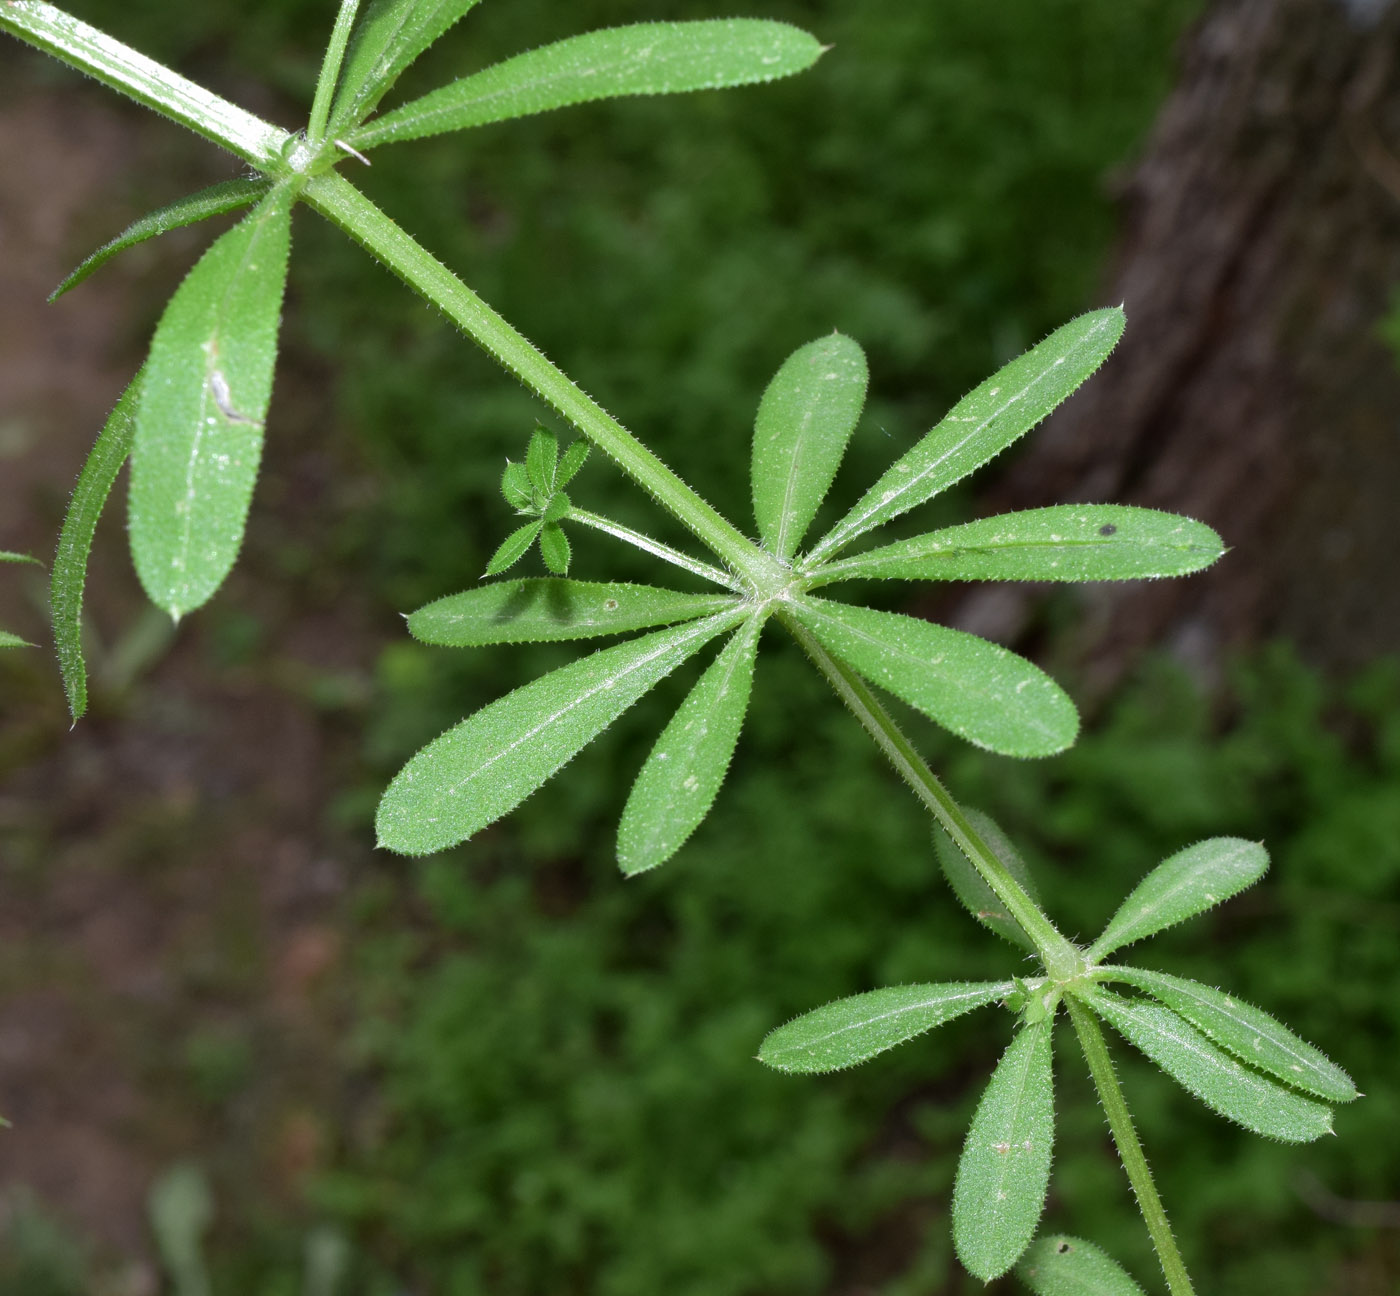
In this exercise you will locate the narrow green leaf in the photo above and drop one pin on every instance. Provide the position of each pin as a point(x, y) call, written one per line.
point(643, 59)
point(573, 459)
point(984, 423)
point(189, 210)
point(75, 541)
point(539, 609)
point(513, 548)
point(554, 548)
point(8, 640)
point(199, 426)
point(1069, 1266)
point(1248, 1032)
point(804, 424)
point(542, 460)
point(1005, 1167)
point(1069, 542)
point(1182, 886)
point(1224, 1084)
point(977, 897)
point(980, 691)
point(851, 1031)
point(487, 765)
point(8, 556)
point(682, 776)
point(391, 37)
point(515, 486)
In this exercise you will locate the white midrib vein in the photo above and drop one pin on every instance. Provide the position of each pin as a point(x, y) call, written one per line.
point(992, 991)
point(1003, 1162)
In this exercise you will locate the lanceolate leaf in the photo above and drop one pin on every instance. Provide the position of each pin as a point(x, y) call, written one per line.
point(515, 485)
point(984, 423)
point(980, 691)
point(8, 640)
point(1070, 542)
point(1245, 1031)
point(1225, 1085)
point(492, 761)
point(977, 897)
point(6, 556)
point(804, 422)
point(1182, 886)
point(1070, 1266)
point(391, 37)
point(850, 1031)
point(199, 427)
point(513, 548)
point(570, 462)
point(555, 549)
point(193, 208)
point(682, 776)
point(1005, 1167)
point(644, 59)
point(536, 609)
point(542, 460)
point(75, 541)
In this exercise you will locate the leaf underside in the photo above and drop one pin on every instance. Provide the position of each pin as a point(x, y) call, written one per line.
point(1224, 1084)
point(983, 423)
point(95, 482)
point(1180, 887)
point(1069, 1266)
point(1004, 1170)
point(682, 776)
point(1067, 542)
point(190, 210)
point(199, 426)
point(980, 691)
point(968, 885)
point(850, 1031)
point(1248, 1032)
point(643, 59)
point(487, 765)
point(541, 609)
point(804, 424)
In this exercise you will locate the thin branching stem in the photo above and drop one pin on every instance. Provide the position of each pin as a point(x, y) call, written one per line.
point(706, 571)
point(1120, 1124)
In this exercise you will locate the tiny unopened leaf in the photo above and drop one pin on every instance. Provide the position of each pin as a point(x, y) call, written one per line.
point(1247, 1032)
point(804, 424)
point(682, 776)
point(984, 423)
point(977, 897)
point(513, 548)
point(1069, 1266)
point(189, 210)
point(851, 1031)
point(515, 486)
point(643, 59)
point(95, 482)
point(557, 509)
point(391, 36)
point(555, 549)
point(487, 765)
point(199, 424)
point(544, 608)
point(1070, 542)
point(1223, 1083)
point(980, 691)
point(1180, 887)
point(1004, 1171)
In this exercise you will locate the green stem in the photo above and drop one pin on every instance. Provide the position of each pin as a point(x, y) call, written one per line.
point(148, 82)
point(330, 72)
point(654, 547)
point(1062, 960)
point(342, 203)
point(1120, 1124)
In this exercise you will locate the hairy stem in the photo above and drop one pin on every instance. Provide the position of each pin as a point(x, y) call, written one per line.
point(343, 204)
point(1120, 1124)
point(148, 82)
point(330, 72)
point(1062, 960)
point(654, 547)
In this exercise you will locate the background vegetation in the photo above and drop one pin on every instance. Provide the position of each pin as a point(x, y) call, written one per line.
point(549, 1084)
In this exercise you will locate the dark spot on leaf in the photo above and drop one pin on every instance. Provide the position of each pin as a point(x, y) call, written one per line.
point(610, 604)
point(1108, 529)
point(1062, 1247)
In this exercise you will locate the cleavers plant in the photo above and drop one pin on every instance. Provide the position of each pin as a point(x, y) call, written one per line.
point(192, 424)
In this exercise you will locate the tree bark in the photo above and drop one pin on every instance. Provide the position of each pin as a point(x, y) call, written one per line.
point(1260, 251)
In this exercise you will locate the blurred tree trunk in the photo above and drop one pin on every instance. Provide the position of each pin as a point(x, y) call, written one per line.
point(1260, 249)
